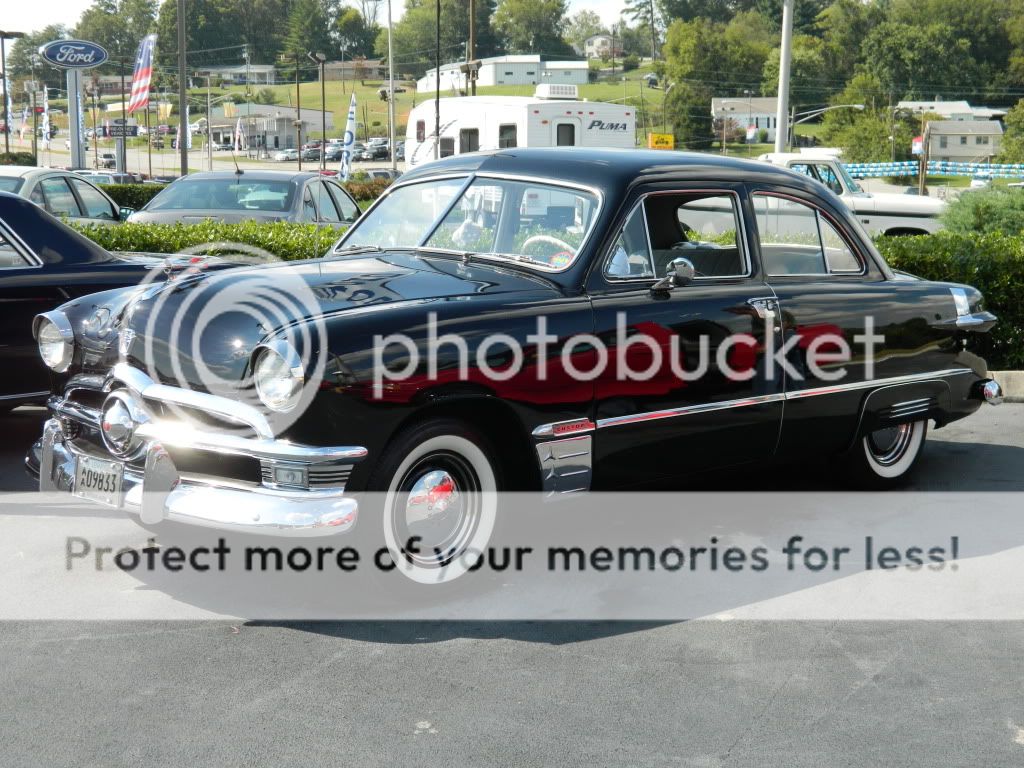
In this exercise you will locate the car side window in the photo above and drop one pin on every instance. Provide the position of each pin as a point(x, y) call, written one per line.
point(828, 178)
point(796, 239)
point(349, 210)
point(37, 196)
point(631, 254)
point(308, 207)
point(59, 199)
point(700, 226)
point(96, 205)
point(325, 202)
point(9, 257)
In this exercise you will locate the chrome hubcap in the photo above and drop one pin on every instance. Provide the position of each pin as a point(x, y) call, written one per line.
point(437, 510)
point(887, 446)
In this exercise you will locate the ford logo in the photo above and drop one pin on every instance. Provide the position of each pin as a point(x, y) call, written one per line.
point(74, 54)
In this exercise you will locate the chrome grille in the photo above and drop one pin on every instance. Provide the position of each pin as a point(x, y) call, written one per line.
point(320, 475)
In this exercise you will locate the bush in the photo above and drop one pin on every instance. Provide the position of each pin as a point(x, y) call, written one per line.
point(132, 195)
point(17, 158)
point(996, 209)
point(993, 263)
point(369, 189)
point(762, 136)
point(630, 63)
point(283, 239)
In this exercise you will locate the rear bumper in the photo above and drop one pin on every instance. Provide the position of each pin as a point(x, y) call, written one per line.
point(153, 488)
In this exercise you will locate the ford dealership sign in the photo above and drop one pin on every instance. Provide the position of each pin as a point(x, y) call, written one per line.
point(74, 54)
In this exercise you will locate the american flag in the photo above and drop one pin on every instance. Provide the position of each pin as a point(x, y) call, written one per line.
point(143, 74)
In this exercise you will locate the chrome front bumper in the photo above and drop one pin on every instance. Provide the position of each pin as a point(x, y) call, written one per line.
point(153, 488)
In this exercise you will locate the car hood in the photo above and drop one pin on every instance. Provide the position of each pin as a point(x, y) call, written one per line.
point(214, 320)
point(199, 215)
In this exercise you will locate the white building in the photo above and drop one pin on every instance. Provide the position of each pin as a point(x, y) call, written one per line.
point(600, 47)
point(506, 70)
point(756, 112)
point(964, 141)
point(269, 125)
point(951, 110)
point(257, 74)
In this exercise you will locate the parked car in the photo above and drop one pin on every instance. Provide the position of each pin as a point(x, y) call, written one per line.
point(695, 253)
point(312, 153)
point(43, 263)
point(251, 196)
point(62, 193)
point(286, 155)
point(382, 173)
point(98, 177)
point(333, 152)
point(107, 160)
point(880, 213)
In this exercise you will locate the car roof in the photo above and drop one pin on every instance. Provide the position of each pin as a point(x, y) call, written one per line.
point(611, 169)
point(254, 175)
point(24, 170)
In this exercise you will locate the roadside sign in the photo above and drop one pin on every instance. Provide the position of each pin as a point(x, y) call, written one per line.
point(73, 54)
point(121, 131)
point(661, 141)
point(917, 145)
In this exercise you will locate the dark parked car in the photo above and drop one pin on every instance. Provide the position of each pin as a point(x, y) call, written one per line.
point(251, 196)
point(756, 317)
point(43, 263)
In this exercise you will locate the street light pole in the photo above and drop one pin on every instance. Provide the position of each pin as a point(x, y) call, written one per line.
point(320, 60)
point(182, 95)
point(7, 95)
point(391, 86)
point(785, 56)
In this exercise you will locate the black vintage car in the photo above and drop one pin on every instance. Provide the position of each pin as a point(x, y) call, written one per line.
point(43, 263)
point(556, 320)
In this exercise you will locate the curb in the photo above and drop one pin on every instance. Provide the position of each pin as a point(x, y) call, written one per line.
point(1012, 383)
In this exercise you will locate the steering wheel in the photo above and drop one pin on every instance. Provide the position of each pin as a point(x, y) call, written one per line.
point(551, 241)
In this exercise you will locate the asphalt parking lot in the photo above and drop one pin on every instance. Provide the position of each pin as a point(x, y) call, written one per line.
point(697, 693)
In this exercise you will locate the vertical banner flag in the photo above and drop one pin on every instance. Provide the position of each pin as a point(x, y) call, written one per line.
point(188, 130)
point(142, 74)
point(239, 136)
point(46, 117)
point(348, 140)
point(9, 114)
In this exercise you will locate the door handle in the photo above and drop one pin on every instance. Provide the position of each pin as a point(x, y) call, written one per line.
point(767, 309)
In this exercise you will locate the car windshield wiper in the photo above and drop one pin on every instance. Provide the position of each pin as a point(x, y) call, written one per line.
point(521, 258)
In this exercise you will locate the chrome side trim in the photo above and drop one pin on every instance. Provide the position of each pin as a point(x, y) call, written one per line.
point(565, 466)
point(562, 428)
point(146, 388)
point(25, 395)
point(616, 421)
point(688, 410)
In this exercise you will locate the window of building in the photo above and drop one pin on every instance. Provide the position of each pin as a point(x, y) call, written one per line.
point(469, 140)
point(565, 135)
point(963, 140)
point(942, 142)
point(508, 74)
point(447, 146)
point(507, 136)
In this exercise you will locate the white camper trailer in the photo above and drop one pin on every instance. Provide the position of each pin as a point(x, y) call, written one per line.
point(553, 117)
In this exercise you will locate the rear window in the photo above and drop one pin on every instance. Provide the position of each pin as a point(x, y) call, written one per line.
point(227, 194)
point(10, 184)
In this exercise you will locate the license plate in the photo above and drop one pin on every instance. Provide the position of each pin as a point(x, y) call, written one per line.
point(98, 480)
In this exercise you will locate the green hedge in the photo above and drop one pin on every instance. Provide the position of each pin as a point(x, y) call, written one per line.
point(993, 263)
point(282, 239)
point(17, 158)
point(995, 209)
point(132, 195)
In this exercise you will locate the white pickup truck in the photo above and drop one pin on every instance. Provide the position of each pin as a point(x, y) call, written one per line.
point(880, 213)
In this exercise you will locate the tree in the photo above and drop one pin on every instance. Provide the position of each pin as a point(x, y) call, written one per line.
point(919, 61)
point(1013, 139)
point(413, 35)
point(259, 26)
point(309, 28)
point(355, 35)
point(19, 56)
point(580, 26)
point(843, 26)
point(643, 12)
point(728, 58)
point(532, 26)
point(117, 25)
point(688, 111)
point(210, 25)
point(688, 10)
point(806, 82)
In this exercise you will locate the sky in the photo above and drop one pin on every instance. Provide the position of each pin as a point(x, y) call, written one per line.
point(25, 16)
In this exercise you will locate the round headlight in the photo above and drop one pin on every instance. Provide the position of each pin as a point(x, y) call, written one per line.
point(278, 376)
point(56, 340)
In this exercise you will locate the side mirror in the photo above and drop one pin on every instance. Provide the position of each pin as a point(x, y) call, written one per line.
point(125, 213)
point(678, 273)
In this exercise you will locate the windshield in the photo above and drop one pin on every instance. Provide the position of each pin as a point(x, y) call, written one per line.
point(10, 184)
point(851, 185)
point(521, 220)
point(226, 194)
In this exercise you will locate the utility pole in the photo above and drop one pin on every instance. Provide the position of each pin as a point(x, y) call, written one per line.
point(391, 89)
point(209, 123)
point(182, 92)
point(654, 34)
point(437, 85)
point(471, 48)
point(7, 84)
point(35, 116)
point(122, 142)
point(785, 56)
point(320, 60)
point(298, 111)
